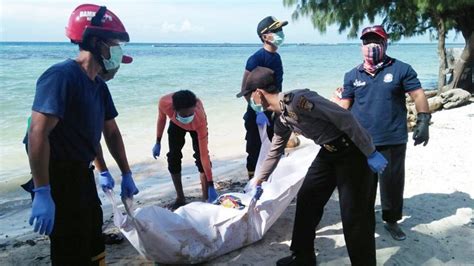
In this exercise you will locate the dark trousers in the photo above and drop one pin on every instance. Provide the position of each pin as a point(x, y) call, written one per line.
point(392, 182)
point(176, 140)
point(253, 137)
point(77, 234)
point(348, 171)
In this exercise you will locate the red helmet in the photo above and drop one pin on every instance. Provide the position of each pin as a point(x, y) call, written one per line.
point(93, 20)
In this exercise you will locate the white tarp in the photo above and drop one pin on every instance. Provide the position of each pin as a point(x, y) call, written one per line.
point(201, 231)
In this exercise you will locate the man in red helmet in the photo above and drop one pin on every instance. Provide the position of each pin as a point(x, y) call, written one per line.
point(71, 109)
point(375, 91)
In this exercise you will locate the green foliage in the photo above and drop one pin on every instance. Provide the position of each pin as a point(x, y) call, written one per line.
point(400, 17)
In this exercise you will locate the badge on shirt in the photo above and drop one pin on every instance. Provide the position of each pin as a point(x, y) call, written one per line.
point(388, 78)
point(305, 104)
point(292, 115)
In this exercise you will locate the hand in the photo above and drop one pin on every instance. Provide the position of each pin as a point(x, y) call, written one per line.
point(211, 192)
point(258, 192)
point(377, 162)
point(106, 181)
point(421, 131)
point(262, 119)
point(156, 150)
point(42, 211)
point(128, 186)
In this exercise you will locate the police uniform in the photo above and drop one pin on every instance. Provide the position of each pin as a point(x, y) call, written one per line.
point(341, 163)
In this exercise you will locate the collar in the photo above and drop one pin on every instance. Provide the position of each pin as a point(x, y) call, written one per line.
point(388, 61)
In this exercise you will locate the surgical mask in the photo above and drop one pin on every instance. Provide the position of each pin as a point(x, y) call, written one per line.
point(115, 58)
point(258, 108)
point(185, 120)
point(278, 38)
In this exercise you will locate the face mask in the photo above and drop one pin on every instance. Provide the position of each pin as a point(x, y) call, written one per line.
point(115, 58)
point(185, 120)
point(374, 55)
point(256, 107)
point(278, 38)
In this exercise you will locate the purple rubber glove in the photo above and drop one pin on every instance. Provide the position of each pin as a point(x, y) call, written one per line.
point(262, 119)
point(106, 181)
point(42, 211)
point(128, 186)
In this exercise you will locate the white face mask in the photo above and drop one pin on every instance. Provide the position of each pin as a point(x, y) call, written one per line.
point(116, 54)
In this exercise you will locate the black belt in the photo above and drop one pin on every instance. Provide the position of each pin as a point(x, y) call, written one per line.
point(339, 144)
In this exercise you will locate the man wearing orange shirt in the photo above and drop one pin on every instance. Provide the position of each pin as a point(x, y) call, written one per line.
point(186, 114)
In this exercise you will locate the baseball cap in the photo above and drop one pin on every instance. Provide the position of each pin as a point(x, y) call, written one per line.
point(260, 78)
point(376, 29)
point(270, 24)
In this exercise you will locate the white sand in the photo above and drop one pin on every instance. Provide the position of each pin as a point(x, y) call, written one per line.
point(438, 213)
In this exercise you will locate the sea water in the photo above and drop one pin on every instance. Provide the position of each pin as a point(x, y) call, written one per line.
point(213, 71)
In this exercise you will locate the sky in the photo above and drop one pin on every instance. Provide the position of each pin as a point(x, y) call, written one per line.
point(171, 21)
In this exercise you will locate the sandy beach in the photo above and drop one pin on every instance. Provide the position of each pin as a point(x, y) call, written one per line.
point(438, 212)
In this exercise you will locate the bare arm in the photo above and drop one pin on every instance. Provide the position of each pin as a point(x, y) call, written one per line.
point(38, 146)
point(99, 161)
point(114, 141)
point(421, 104)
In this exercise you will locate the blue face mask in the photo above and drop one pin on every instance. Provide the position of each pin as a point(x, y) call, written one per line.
point(258, 108)
point(278, 38)
point(185, 120)
point(115, 58)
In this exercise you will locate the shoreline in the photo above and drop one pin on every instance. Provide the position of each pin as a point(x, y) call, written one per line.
point(438, 216)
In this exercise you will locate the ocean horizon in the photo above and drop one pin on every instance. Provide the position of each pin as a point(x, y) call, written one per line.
point(212, 70)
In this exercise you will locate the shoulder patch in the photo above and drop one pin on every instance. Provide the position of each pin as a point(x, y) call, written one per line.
point(305, 104)
point(287, 98)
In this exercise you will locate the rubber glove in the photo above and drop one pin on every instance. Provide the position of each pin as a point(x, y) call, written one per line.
point(421, 132)
point(211, 192)
point(258, 192)
point(156, 150)
point(42, 211)
point(106, 181)
point(128, 186)
point(377, 162)
point(262, 119)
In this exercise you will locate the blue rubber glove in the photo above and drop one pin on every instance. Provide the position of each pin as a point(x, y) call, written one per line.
point(42, 211)
point(262, 119)
point(258, 192)
point(128, 186)
point(377, 162)
point(156, 150)
point(106, 181)
point(211, 192)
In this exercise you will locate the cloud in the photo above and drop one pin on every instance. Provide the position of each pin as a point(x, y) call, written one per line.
point(186, 26)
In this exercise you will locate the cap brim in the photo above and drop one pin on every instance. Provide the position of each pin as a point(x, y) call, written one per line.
point(385, 37)
point(240, 94)
point(127, 59)
point(279, 25)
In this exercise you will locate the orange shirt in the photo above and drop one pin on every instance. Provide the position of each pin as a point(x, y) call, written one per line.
point(199, 124)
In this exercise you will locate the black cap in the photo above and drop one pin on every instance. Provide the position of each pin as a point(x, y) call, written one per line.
point(260, 78)
point(270, 24)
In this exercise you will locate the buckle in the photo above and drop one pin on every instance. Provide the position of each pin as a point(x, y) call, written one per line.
point(330, 148)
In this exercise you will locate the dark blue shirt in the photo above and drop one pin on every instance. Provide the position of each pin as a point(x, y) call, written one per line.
point(379, 101)
point(264, 58)
point(82, 106)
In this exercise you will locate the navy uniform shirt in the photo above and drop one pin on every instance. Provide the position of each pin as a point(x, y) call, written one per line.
point(316, 118)
point(379, 101)
point(82, 106)
point(264, 58)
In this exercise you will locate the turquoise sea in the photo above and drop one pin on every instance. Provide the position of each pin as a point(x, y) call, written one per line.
point(212, 71)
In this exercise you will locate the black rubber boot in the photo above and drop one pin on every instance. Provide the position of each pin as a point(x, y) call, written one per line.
point(298, 259)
